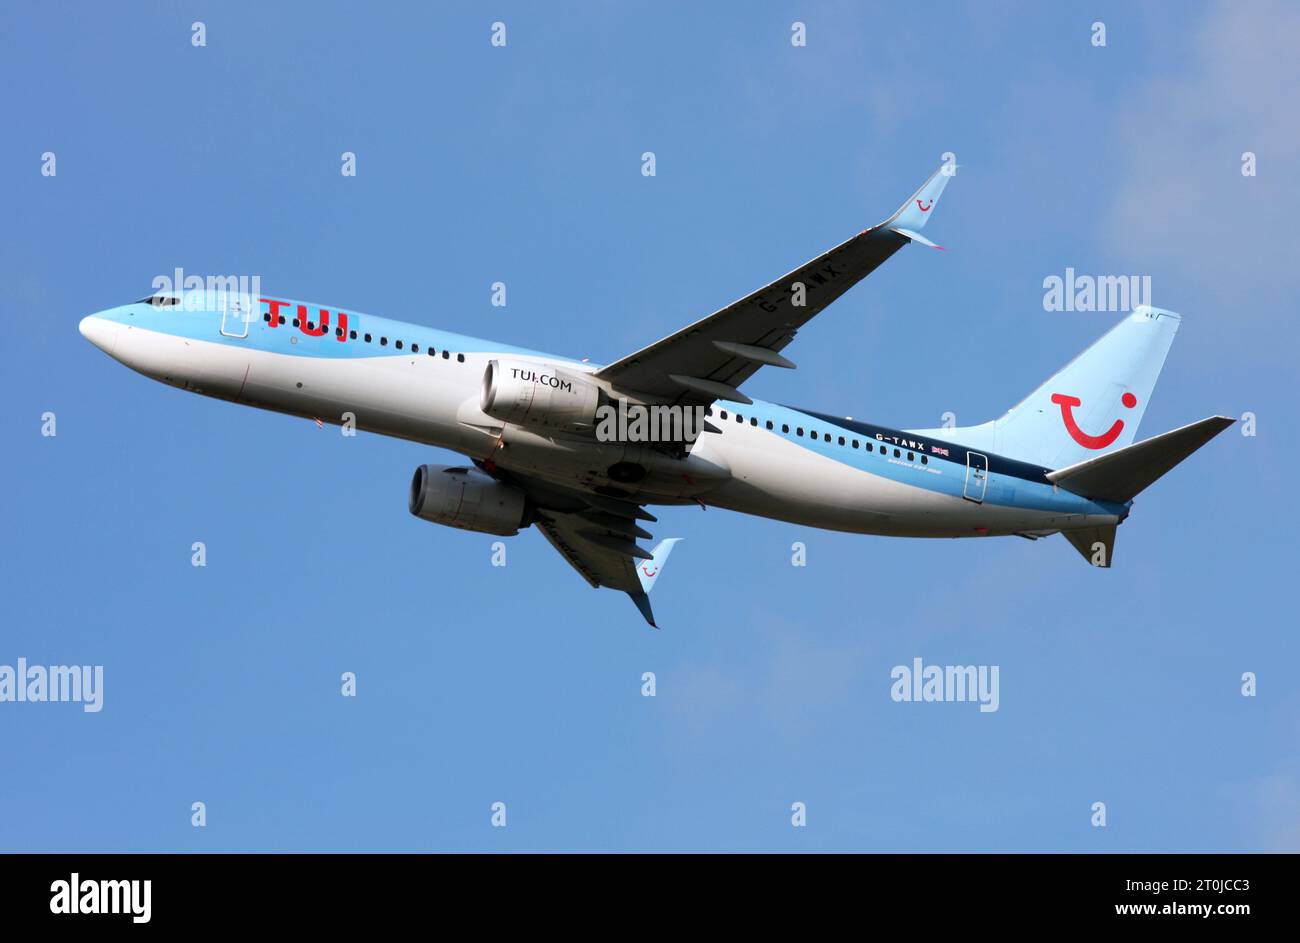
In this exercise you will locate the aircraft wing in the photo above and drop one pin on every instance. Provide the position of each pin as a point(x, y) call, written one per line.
point(710, 359)
point(604, 558)
point(594, 551)
point(598, 536)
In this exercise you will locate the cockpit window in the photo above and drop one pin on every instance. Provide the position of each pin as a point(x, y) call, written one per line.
point(159, 301)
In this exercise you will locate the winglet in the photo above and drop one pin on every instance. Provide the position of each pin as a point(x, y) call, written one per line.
point(643, 603)
point(648, 571)
point(917, 237)
point(912, 215)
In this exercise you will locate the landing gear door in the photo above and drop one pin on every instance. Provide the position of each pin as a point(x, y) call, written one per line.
point(236, 313)
point(977, 477)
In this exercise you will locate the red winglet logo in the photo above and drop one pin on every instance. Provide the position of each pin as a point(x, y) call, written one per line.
point(926, 207)
point(646, 570)
point(1067, 404)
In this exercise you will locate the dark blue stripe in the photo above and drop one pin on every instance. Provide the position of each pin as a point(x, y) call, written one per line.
point(998, 464)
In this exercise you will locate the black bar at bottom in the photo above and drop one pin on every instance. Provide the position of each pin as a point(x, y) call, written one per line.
point(335, 892)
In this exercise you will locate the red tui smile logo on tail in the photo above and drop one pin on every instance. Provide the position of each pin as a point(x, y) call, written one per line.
point(924, 208)
point(1067, 404)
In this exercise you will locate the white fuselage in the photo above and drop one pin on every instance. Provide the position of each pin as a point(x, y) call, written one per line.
point(435, 400)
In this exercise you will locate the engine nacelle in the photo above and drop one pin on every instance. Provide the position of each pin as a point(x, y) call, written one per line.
point(464, 497)
point(539, 395)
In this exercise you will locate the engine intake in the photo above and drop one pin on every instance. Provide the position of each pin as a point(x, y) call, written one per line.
point(538, 394)
point(464, 497)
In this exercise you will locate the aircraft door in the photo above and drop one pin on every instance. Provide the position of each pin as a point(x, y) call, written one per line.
point(977, 477)
point(236, 313)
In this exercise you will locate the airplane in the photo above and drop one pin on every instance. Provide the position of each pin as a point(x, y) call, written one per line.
point(1063, 460)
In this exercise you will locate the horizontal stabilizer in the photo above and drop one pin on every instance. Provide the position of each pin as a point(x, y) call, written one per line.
point(1121, 475)
point(1096, 544)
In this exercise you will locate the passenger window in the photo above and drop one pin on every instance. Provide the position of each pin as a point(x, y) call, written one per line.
point(397, 344)
point(769, 424)
point(870, 447)
point(445, 355)
point(352, 334)
point(267, 317)
point(415, 348)
point(785, 428)
point(432, 352)
point(753, 421)
point(855, 443)
point(925, 460)
point(841, 440)
point(897, 454)
point(723, 414)
point(740, 418)
point(383, 341)
point(827, 437)
point(911, 457)
point(460, 358)
point(798, 430)
point(282, 319)
point(295, 322)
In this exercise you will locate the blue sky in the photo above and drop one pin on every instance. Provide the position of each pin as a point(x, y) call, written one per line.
point(520, 684)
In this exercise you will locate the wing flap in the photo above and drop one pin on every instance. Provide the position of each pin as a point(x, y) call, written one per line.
point(598, 566)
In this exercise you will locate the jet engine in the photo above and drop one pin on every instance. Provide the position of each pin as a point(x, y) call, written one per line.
point(464, 497)
point(539, 394)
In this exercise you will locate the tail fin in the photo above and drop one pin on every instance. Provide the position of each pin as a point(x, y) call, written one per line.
point(1090, 407)
point(648, 571)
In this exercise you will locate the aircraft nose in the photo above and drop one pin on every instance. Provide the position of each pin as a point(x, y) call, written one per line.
point(99, 331)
